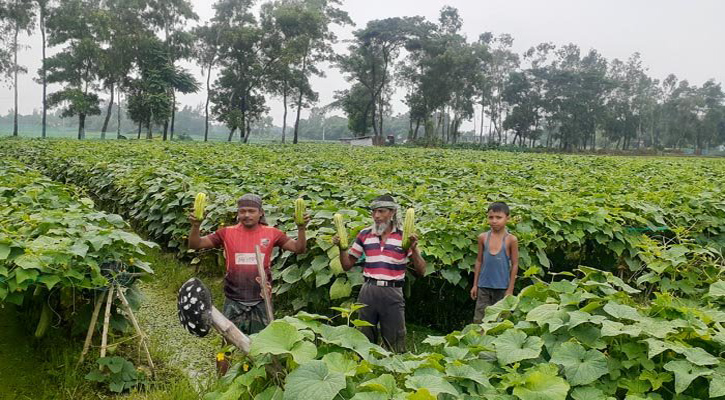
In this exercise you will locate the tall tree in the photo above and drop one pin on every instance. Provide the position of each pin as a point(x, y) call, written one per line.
point(170, 18)
point(206, 50)
point(503, 63)
point(44, 7)
point(443, 72)
point(20, 15)
point(81, 27)
point(280, 20)
point(356, 104)
point(371, 59)
point(126, 30)
point(6, 57)
point(244, 60)
point(150, 93)
point(313, 21)
point(712, 115)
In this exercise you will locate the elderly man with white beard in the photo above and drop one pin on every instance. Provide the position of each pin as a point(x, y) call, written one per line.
point(384, 271)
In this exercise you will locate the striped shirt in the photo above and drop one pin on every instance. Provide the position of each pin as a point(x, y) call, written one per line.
point(383, 261)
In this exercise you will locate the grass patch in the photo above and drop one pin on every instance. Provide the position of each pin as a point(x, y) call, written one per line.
point(415, 336)
point(48, 368)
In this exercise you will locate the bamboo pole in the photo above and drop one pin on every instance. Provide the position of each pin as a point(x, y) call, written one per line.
point(263, 282)
point(136, 327)
point(230, 331)
point(106, 319)
point(91, 328)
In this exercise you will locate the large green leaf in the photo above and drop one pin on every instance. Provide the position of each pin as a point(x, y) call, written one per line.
point(547, 314)
point(4, 251)
point(349, 338)
point(613, 328)
point(279, 337)
point(466, 372)
point(493, 312)
point(581, 367)
point(717, 382)
point(699, 356)
point(341, 288)
point(384, 383)
point(421, 394)
point(717, 289)
point(271, 393)
point(513, 346)
point(49, 280)
point(655, 379)
point(621, 311)
point(685, 372)
point(303, 351)
point(313, 380)
point(588, 393)
point(370, 396)
point(338, 362)
point(542, 384)
point(434, 384)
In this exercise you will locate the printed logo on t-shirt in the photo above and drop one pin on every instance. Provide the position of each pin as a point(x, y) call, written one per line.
point(265, 242)
point(247, 259)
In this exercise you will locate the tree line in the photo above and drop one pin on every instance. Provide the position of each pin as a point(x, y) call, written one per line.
point(115, 53)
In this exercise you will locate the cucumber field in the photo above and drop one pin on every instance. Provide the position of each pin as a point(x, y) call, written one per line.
point(620, 292)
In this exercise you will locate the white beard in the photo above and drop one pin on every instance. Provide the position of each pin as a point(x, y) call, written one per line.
point(380, 228)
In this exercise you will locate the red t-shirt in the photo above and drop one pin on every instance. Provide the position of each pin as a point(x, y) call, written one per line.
point(240, 280)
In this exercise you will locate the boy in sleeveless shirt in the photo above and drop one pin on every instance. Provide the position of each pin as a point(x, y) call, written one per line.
point(497, 263)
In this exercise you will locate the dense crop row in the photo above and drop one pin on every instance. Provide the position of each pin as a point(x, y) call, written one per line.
point(650, 327)
point(52, 237)
point(579, 339)
point(56, 249)
point(635, 216)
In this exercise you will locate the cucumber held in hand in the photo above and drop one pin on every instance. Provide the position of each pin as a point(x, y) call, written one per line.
point(300, 209)
point(408, 227)
point(341, 231)
point(199, 206)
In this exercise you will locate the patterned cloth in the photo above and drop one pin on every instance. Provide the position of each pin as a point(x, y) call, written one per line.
point(249, 317)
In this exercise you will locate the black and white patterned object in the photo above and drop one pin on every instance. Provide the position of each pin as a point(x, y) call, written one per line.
point(195, 305)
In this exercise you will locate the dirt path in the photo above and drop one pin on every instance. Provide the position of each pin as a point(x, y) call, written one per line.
point(179, 349)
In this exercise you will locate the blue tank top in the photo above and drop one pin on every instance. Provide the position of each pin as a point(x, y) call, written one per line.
point(495, 272)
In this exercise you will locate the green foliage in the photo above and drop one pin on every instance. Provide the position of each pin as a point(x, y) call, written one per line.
point(118, 373)
point(653, 329)
point(567, 211)
point(520, 356)
point(53, 238)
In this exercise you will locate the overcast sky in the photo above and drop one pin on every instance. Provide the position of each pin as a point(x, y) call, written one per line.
point(684, 37)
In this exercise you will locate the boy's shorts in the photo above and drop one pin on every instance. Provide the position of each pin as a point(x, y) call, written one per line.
point(248, 317)
point(486, 297)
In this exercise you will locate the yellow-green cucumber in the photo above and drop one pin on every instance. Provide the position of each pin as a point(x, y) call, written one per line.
point(199, 206)
point(408, 227)
point(300, 209)
point(341, 231)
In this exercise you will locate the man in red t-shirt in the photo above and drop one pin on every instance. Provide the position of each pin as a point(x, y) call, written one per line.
point(244, 305)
